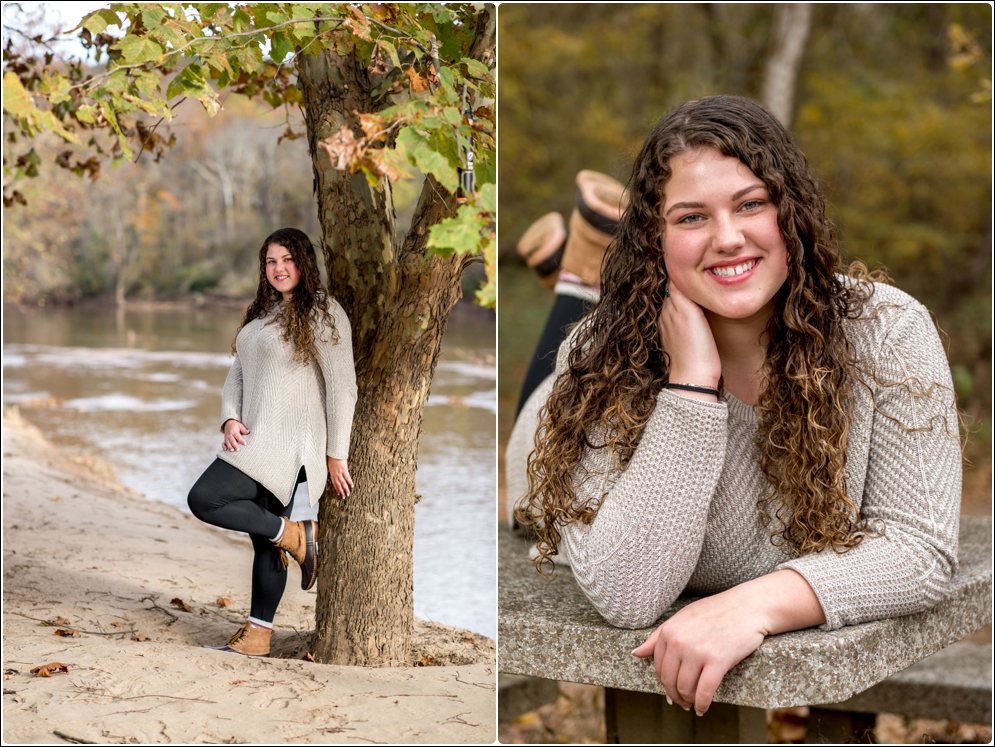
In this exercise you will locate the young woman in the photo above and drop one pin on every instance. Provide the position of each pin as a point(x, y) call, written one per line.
point(286, 415)
point(741, 416)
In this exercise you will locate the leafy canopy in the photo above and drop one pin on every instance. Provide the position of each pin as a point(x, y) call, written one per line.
point(154, 57)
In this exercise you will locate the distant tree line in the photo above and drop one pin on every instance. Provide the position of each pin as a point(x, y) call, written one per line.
point(190, 223)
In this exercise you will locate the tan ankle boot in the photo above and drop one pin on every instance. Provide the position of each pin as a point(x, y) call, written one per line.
point(248, 641)
point(300, 540)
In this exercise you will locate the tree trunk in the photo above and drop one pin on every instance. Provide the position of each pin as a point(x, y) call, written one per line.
point(791, 27)
point(398, 304)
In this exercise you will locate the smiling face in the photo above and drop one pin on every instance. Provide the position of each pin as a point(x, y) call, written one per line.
point(722, 243)
point(281, 270)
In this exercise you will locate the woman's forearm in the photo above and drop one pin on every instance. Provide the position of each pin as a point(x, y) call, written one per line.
point(695, 648)
point(781, 601)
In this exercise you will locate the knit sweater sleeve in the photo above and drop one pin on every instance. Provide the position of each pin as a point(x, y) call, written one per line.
point(231, 395)
point(636, 556)
point(912, 485)
point(339, 373)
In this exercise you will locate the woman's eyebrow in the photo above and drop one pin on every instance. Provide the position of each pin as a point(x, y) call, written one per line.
point(746, 190)
point(683, 205)
point(740, 193)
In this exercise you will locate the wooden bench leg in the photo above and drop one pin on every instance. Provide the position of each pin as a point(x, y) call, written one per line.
point(839, 727)
point(645, 718)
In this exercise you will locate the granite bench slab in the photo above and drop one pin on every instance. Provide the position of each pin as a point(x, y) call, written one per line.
point(548, 629)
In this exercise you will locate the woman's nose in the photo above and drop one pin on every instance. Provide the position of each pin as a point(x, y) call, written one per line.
point(727, 236)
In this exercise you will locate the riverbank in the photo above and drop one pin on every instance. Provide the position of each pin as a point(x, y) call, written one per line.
point(86, 556)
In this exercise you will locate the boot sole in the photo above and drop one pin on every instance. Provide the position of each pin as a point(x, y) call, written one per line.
point(309, 568)
point(231, 650)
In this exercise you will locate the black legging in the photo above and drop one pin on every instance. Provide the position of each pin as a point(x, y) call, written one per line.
point(228, 498)
point(566, 311)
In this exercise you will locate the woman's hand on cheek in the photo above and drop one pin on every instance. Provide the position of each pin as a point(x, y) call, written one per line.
point(687, 339)
point(695, 648)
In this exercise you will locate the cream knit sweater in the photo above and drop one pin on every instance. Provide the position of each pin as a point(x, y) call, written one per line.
point(682, 516)
point(296, 414)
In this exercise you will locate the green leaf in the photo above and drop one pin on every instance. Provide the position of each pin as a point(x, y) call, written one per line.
point(452, 115)
point(17, 101)
point(138, 49)
point(460, 235)
point(98, 21)
point(111, 116)
point(486, 295)
point(191, 82)
point(420, 152)
point(55, 87)
point(169, 35)
point(94, 23)
point(210, 11)
point(242, 20)
point(281, 47)
point(488, 198)
point(274, 17)
point(147, 83)
point(476, 68)
point(117, 81)
point(85, 114)
point(153, 15)
point(246, 59)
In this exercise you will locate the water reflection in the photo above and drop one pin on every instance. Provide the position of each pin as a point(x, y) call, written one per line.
point(142, 391)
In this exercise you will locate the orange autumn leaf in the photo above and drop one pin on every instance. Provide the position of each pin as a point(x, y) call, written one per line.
point(427, 661)
point(46, 670)
point(56, 621)
point(418, 83)
point(140, 637)
point(307, 657)
point(224, 602)
point(67, 632)
point(116, 623)
point(177, 602)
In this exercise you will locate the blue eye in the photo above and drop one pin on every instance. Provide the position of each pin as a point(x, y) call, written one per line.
point(752, 204)
point(692, 218)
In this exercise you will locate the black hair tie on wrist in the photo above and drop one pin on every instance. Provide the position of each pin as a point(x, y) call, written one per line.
point(692, 388)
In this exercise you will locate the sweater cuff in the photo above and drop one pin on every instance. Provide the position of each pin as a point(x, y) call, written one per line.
point(688, 404)
point(810, 571)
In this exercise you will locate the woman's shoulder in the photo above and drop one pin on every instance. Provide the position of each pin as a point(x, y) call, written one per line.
point(887, 316)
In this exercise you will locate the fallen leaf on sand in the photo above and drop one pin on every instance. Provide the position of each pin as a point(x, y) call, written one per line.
point(468, 636)
point(237, 682)
point(139, 637)
point(116, 623)
point(56, 621)
point(47, 669)
point(67, 632)
point(177, 602)
point(57, 498)
point(224, 602)
point(307, 657)
point(427, 661)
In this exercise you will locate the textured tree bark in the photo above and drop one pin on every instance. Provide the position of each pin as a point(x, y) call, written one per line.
point(398, 303)
point(791, 27)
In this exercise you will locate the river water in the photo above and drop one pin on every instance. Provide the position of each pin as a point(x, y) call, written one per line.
point(142, 390)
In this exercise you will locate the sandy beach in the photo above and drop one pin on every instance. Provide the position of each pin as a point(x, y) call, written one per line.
point(102, 564)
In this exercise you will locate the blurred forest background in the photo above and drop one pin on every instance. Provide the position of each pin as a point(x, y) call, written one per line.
point(891, 103)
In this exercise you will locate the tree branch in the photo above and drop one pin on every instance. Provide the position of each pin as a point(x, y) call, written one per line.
point(221, 37)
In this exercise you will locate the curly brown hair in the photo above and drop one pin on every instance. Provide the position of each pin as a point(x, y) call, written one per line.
point(307, 310)
point(617, 365)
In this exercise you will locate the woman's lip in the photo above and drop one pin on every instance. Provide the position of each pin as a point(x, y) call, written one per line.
point(734, 279)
